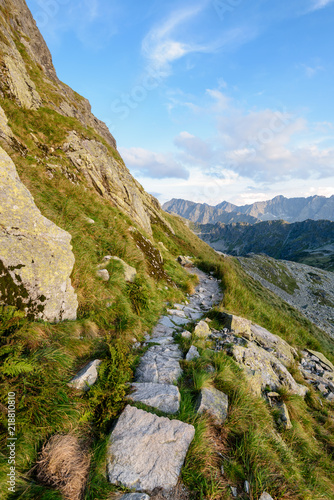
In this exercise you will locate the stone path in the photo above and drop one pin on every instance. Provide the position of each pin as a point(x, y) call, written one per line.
point(147, 451)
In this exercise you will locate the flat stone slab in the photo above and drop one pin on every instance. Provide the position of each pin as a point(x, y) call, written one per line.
point(86, 377)
point(161, 340)
point(164, 397)
point(214, 402)
point(160, 365)
point(146, 451)
point(166, 322)
point(179, 321)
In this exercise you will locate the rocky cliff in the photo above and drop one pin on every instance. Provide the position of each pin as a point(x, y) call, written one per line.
point(288, 209)
point(28, 80)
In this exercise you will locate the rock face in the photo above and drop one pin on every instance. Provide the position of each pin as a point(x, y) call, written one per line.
point(146, 451)
point(36, 255)
point(214, 402)
point(164, 397)
point(265, 370)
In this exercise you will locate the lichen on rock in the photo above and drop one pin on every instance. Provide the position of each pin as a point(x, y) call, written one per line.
point(36, 256)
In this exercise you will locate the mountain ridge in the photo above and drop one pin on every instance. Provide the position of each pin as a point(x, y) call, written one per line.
point(279, 208)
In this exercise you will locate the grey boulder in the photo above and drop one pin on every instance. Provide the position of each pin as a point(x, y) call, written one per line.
point(36, 255)
point(146, 451)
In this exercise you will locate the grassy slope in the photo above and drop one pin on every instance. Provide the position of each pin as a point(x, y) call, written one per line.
point(38, 359)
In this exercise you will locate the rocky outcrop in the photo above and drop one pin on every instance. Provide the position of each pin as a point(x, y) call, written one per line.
point(147, 451)
point(36, 256)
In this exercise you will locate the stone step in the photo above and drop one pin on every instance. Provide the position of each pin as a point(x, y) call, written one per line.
point(164, 397)
point(146, 451)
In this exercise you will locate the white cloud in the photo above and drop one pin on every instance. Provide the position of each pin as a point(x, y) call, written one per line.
point(320, 4)
point(155, 165)
point(311, 71)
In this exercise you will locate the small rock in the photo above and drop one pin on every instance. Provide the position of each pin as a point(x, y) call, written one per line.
point(90, 221)
point(186, 334)
point(135, 496)
point(184, 261)
point(192, 353)
point(103, 274)
point(247, 487)
point(222, 470)
point(238, 325)
point(129, 271)
point(214, 402)
point(86, 377)
point(202, 330)
point(234, 491)
point(265, 496)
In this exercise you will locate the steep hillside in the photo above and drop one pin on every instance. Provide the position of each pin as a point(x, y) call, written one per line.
point(309, 290)
point(288, 209)
point(309, 242)
point(52, 126)
point(68, 202)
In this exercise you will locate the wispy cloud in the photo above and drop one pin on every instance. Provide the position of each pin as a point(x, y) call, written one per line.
point(320, 4)
point(154, 165)
point(167, 42)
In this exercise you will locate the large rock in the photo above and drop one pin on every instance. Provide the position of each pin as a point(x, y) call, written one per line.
point(36, 256)
point(265, 370)
point(238, 325)
point(214, 402)
point(265, 496)
point(202, 330)
point(146, 451)
point(160, 365)
point(20, 85)
point(164, 397)
point(273, 343)
point(86, 377)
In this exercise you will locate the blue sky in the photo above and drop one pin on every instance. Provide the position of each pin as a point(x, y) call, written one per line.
point(209, 100)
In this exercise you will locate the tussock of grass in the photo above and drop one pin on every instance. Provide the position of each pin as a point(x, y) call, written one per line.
point(63, 464)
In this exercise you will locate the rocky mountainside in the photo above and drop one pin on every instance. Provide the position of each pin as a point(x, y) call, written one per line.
point(28, 80)
point(166, 381)
point(309, 290)
point(310, 242)
point(288, 209)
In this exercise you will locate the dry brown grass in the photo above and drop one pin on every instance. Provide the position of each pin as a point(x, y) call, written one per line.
point(64, 465)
